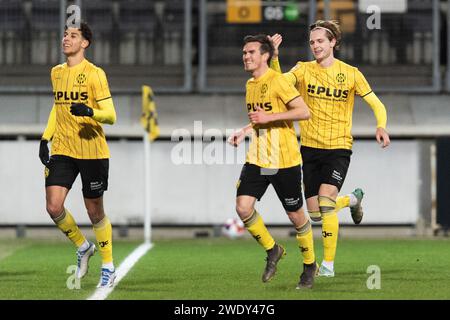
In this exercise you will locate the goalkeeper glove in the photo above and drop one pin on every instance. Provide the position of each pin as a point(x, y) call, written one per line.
point(44, 153)
point(81, 110)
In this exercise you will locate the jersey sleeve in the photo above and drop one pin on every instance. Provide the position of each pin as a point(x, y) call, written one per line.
point(362, 87)
point(100, 86)
point(296, 73)
point(379, 110)
point(52, 77)
point(106, 112)
point(51, 125)
point(275, 65)
point(284, 89)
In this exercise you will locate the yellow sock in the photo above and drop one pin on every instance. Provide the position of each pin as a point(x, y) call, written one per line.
point(342, 202)
point(315, 216)
point(330, 227)
point(103, 234)
point(255, 225)
point(306, 242)
point(66, 223)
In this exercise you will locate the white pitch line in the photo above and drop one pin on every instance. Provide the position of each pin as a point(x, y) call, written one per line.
point(122, 270)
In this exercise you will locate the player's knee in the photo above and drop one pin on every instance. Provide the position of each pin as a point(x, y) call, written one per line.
point(244, 211)
point(315, 216)
point(54, 209)
point(326, 205)
point(297, 217)
point(95, 215)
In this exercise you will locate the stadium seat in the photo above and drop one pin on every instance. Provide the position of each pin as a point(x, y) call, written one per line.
point(137, 27)
point(46, 37)
point(13, 24)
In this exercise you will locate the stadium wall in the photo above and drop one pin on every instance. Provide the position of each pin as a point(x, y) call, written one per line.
point(397, 180)
point(205, 193)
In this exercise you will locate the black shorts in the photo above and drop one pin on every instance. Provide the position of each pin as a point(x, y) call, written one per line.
point(62, 171)
point(323, 166)
point(287, 183)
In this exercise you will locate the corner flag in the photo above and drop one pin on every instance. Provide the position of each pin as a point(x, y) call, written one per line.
point(149, 117)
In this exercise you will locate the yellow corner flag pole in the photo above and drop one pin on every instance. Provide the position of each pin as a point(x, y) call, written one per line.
point(149, 120)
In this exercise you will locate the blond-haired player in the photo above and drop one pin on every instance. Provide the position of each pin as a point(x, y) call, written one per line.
point(329, 86)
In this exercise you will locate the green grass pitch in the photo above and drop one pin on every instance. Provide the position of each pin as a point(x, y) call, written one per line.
point(218, 268)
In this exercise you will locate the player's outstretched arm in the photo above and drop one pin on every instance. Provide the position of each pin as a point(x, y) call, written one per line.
point(276, 40)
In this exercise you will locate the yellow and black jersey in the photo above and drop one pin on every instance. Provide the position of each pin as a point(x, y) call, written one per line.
point(329, 94)
point(79, 137)
point(273, 145)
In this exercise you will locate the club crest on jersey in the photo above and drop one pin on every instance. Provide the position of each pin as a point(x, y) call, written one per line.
point(340, 78)
point(329, 92)
point(81, 78)
point(264, 88)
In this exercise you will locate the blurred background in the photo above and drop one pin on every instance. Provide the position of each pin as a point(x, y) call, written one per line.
point(189, 52)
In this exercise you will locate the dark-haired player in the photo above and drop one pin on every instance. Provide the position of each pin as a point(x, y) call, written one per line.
point(82, 102)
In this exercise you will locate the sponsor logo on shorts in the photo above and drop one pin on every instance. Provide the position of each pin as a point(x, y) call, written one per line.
point(96, 185)
point(337, 176)
point(291, 201)
point(46, 172)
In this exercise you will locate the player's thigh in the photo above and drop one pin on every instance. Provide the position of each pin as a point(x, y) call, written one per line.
point(61, 171)
point(94, 176)
point(287, 183)
point(252, 182)
point(311, 170)
point(328, 190)
point(335, 167)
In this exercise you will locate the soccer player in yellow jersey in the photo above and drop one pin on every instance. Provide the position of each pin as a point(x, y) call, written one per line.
point(82, 102)
point(273, 157)
point(329, 86)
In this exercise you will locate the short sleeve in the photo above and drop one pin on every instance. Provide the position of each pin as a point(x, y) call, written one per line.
point(362, 87)
point(100, 85)
point(298, 71)
point(285, 90)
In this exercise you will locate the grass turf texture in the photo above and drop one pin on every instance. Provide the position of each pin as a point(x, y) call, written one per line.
point(204, 269)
